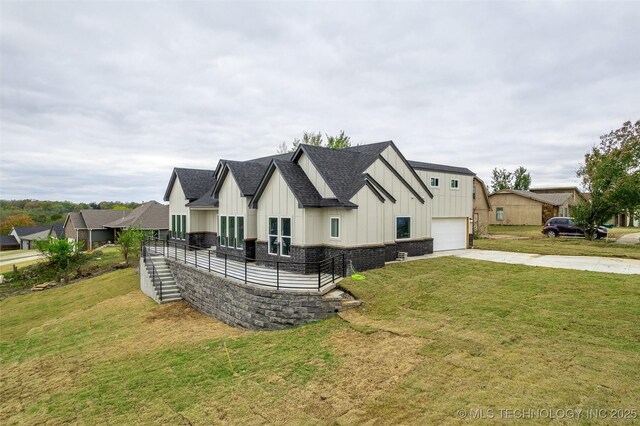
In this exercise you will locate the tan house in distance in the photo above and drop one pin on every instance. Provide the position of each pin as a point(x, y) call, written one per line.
point(481, 207)
point(534, 207)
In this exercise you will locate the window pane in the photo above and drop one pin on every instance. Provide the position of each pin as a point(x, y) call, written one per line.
point(335, 227)
point(232, 231)
point(403, 227)
point(184, 226)
point(273, 245)
point(273, 226)
point(435, 182)
point(223, 230)
point(286, 227)
point(499, 213)
point(173, 226)
point(454, 183)
point(240, 240)
point(286, 246)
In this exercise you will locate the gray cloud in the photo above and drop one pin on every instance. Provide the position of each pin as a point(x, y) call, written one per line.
point(100, 100)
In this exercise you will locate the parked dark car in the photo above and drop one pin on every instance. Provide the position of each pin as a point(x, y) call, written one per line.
point(564, 226)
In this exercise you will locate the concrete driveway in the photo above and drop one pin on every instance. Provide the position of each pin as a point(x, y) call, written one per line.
point(629, 239)
point(582, 263)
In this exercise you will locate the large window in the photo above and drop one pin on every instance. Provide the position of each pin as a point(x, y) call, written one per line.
point(285, 229)
point(184, 226)
point(335, 227)
point(500, 213)
point(273, 235)
point(279, 236)
point(403, 227)
point(232, 231)
point(435, 182)
point(173, 226)
point(240, 232)
point(455, 183)
point(223, 230)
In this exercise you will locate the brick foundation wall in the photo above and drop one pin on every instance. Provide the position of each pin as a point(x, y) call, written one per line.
point(202, 239)
point(246, 306)
point(415, 247)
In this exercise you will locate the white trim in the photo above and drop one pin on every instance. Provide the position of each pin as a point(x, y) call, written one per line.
point(331, 227)
point(290, 236)
point(437, 178)
point(395, 228)
point(457, 187)
point(269, 234)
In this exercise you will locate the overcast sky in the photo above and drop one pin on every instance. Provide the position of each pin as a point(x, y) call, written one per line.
point(101, 100)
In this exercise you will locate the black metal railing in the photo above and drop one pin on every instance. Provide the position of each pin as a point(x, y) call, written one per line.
point(278, 274)
point(156, 281)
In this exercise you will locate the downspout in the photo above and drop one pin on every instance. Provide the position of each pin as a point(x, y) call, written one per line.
point(90, 240)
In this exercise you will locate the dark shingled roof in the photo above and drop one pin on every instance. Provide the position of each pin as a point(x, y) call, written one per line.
point(150, 215)
point(77, 222)
point(207, 200)
point(8, 240)
point(23, 231)
point(301, 187)
point(441, 168)
point(248, 174)
point(57, 229)
point(342, 169)
point(194, 182)
point(97, 218)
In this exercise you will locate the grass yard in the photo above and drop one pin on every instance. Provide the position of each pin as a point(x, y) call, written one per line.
point(433, 337)
point(533, 241)
point(12, 253)
point(32, 272)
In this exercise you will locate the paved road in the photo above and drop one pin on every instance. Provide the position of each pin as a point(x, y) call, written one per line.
point(15, 260)
point(582, 263)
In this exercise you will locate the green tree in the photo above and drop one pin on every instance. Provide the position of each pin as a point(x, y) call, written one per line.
point(611, 173)
point(521, 179)
point(61, 253)
point(338, 142)
point(316, 139)
point(15, 220)
point(500, 179)
point(129, 243)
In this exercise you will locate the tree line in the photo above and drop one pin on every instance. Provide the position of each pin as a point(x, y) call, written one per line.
point(37, 212)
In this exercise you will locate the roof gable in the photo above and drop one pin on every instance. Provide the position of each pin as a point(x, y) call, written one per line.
point(194, 182)
point(23, 231)
point(150, 215)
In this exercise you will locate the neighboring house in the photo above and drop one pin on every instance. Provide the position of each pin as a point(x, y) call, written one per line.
point(452, 189)
point(365, 202)
point(9, 242)
point(518, 207)
point(88, 226)
point(481, 207)
point(621, 219)
point(57, 229)
point(26, 236)
point(150, 216)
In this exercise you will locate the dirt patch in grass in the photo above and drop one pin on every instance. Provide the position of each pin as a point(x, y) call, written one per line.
point(372, 364)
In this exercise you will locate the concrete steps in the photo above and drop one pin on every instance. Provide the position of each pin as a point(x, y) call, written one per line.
point(167, 286)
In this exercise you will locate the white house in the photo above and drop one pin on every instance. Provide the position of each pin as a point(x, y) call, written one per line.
point(366, 202)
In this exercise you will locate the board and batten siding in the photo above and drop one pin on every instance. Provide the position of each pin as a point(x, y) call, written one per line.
point(448, 202)
point(277, 200)
point(406, 203)
point(177, 202)
point(314, 176)
point(204, 220)
point(233, 204)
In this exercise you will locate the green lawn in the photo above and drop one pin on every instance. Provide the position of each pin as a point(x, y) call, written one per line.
point(34, 272)
point(531, 240)
point(432, 337)
point(6, 253)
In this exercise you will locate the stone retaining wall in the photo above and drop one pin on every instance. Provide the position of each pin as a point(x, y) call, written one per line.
point(247, 306)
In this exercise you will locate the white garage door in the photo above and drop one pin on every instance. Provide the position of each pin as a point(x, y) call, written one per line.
point(449, 234)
